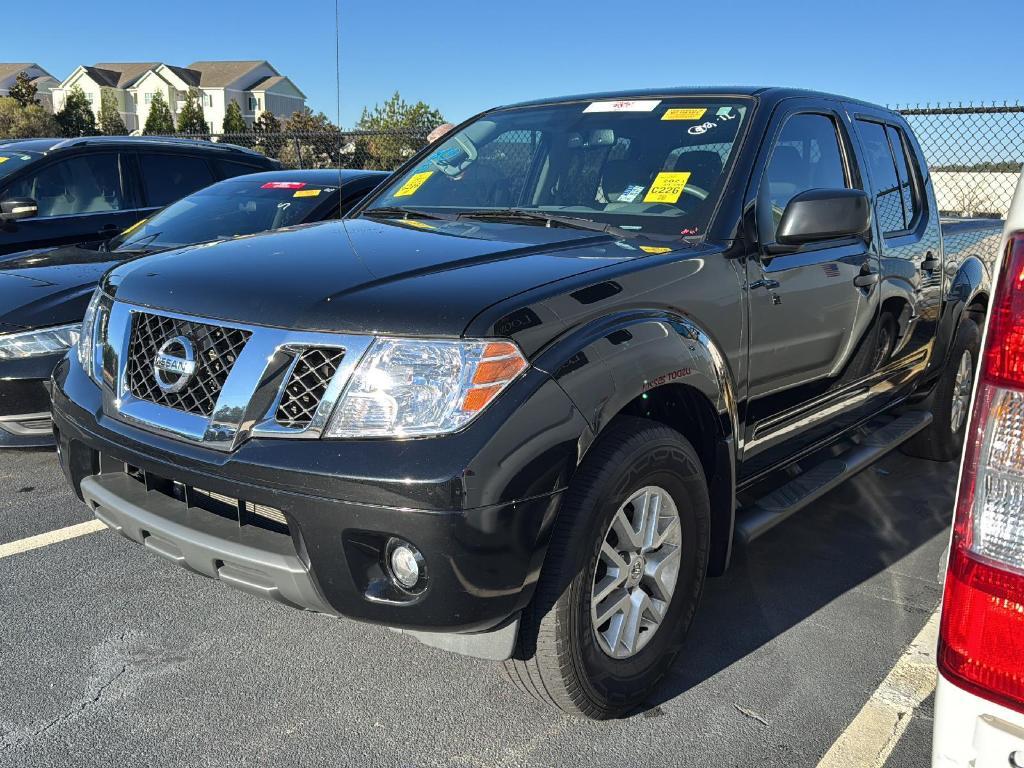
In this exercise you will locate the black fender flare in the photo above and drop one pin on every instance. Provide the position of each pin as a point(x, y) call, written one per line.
point(611, 361)
point(970, 280)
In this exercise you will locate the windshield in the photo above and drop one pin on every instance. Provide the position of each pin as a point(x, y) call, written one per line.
point(652, 166)
point(227, 209)
point(15, 161)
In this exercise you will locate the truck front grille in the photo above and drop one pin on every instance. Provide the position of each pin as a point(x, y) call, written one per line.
point(216, 349)
point(313, 371)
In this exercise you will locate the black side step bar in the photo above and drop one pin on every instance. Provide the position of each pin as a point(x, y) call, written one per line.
point(811, 485)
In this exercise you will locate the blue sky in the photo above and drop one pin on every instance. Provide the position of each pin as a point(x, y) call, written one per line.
point(463, 56)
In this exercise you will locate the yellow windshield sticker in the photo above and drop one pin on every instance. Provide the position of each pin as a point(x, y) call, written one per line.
point(668, 187)
point(688, 113)
point(307, 193)
point(418, 224)
point(654, 249)
point(134, 226)
point(4, 159)
point(415, 182)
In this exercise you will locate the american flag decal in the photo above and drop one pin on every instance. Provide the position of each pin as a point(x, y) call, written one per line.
point(831, 270)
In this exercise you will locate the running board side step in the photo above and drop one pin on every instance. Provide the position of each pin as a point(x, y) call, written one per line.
point(814, 483)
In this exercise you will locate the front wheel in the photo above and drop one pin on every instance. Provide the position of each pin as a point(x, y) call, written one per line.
point(623, 575)
point(950, 401)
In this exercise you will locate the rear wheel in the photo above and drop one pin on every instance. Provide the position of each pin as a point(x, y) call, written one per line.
point(623, 575)
point(950, 401)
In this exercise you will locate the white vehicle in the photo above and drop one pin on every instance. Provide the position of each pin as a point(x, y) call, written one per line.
point(979, 704)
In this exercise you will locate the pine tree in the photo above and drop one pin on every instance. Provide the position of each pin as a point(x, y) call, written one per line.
point(111, 123)
point(234, 123)
point(24, 91)
point(76, 118)
point(397, 130)
point(191, 119)
point(18, 122)
point(160, 121)
point(267, 129)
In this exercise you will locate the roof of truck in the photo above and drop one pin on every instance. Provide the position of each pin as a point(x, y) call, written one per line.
point(766, 93)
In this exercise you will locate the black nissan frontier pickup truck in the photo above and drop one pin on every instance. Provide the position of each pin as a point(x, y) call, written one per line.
point(523, 399)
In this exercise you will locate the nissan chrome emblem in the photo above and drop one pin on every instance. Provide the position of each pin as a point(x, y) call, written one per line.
point(174, 364)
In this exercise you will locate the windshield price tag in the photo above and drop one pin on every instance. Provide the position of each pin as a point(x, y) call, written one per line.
point(654, 249)
point(668, 187)
point(4, 159)
point(415, 181)
point(307, 193)
point(134, 226)
point(637, 105)
point(688, 113)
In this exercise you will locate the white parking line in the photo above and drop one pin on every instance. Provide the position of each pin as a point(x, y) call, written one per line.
point(871, 737)
point(50, 537)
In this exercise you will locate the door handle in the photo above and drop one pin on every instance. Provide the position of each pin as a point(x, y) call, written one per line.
point(930, 263)
point(771, 285)
point(866, 280)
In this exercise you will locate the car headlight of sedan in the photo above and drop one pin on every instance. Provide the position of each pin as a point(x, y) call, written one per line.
point(415, 388)
point(41, 341)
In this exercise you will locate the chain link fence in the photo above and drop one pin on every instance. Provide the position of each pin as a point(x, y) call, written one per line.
point(975, 154)
point(326, 149)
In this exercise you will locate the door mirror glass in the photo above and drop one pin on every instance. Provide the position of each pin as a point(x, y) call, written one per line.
point(824, 214)
point(18, 208)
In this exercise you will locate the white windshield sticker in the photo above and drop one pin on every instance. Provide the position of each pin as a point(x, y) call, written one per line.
point(636, 105)
point(630, 194)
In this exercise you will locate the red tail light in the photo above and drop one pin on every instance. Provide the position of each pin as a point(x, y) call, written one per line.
point(981, 640)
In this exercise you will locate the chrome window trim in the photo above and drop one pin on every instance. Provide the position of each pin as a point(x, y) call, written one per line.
point(247, 402)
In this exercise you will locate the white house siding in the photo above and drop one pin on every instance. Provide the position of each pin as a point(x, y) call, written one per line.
point(973, 193)
point(282, 104)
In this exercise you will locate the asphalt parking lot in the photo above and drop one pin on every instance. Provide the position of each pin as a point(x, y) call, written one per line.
point(110, 656)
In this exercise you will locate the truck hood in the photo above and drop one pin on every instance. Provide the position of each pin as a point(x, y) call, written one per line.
point(48, 287)
point(364, 275)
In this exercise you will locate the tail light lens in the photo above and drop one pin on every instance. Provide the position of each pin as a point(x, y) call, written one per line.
point(981, 640)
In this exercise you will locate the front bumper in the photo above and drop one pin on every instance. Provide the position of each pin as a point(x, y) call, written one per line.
point(25, 402)
point(482, 560)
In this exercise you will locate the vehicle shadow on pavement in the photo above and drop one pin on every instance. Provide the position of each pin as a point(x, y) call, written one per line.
point(855, 532)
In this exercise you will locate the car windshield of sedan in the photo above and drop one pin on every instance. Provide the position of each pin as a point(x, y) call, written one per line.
point(14, 161)
point(225, 210)
point(649, 166)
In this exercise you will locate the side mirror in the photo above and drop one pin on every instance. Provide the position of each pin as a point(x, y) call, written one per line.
point(18, 208)
point(824, 214)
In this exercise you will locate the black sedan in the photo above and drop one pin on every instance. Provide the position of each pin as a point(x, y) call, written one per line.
point(43, 293)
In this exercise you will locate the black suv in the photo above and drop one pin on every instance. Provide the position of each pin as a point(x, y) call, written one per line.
point(64, 191)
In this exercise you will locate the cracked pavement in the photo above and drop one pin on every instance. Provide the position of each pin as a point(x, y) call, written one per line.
point(110, 655)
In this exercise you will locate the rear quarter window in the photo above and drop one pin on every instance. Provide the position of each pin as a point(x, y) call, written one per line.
point(228, 169)
point(170, 177)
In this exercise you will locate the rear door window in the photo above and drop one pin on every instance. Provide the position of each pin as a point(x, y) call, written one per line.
point(77, 185)
point(170, 177)
point(906, 172)
point(889, 188)
point(229, 169)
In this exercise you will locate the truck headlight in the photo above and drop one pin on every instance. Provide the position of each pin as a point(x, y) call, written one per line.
point(87, 340)
point(414, 388)
point(42, 341)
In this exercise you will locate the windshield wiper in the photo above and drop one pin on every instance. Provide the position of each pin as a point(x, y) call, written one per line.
point(524, 214)
point(400, 211)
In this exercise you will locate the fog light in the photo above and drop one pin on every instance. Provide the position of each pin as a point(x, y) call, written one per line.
point(406, 563)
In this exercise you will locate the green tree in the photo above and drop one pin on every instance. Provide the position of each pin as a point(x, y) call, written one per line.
point(111, 123)
point(313, 141)
point(24, 90)
point(76, 118)
point(396, 129)
point(233, 120)
point(191, 119)
point(267, 131)
point(18, 122)
point(160, 121)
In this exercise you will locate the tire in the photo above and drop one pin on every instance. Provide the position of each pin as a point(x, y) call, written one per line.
point(560, 659)
point(943, 439)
